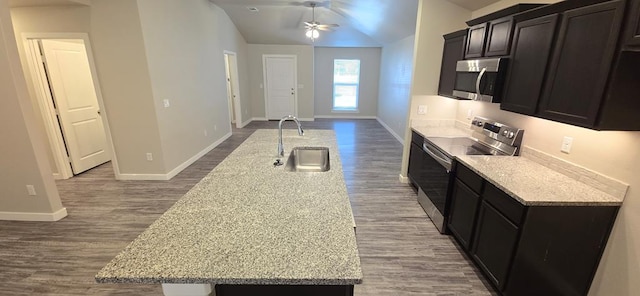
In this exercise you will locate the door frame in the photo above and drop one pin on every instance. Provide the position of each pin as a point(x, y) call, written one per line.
point(232, 72)
point(295, 81)
point(45, 102)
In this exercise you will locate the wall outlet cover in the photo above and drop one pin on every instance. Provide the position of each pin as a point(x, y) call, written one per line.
point(166, 103)
point(566, 144)
point(422, 109)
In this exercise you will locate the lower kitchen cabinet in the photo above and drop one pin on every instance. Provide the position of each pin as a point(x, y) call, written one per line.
point(494, 243)
point(528, 250)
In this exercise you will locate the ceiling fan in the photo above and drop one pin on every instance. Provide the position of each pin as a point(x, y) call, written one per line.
point(313, 28)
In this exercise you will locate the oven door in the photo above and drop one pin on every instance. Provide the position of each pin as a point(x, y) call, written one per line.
point(479, 80)
point(433, 184)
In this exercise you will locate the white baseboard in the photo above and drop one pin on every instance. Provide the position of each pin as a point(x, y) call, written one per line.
point(345, 116)
point(175, 171)
point(403, 179)
point(390, 131)
point(57, 176)
point(306, 119)
point(242, 125)
point(259, 119)
point(41, 217)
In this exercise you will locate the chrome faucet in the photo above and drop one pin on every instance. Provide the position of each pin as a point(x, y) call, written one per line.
point(300, 132)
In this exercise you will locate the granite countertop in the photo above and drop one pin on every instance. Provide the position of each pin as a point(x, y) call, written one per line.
point(533, 184)
point(248, 222)
point(445, 132)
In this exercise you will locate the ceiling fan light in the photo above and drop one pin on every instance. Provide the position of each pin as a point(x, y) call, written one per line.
point(309, 33)
point(315, 33)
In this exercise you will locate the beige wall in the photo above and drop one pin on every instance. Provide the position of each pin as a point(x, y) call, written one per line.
point(394, 94)
point(23, 157)
point(68, 19)
point(304, 55)
point(369, 79)
point(121, 62)
point(188, 71)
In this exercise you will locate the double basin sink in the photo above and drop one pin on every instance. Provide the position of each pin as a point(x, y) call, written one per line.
point(308, 159)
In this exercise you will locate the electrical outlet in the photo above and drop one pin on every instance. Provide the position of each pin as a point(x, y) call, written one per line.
point(166, 103)
point(205, 132)
point(469, 113)
point(422, 109)
point(566, 144)
point(215, 127)
point(31, 190)
point(149, 156)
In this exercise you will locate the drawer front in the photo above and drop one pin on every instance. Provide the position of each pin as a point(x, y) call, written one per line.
point(509, 207)
point(469, 178)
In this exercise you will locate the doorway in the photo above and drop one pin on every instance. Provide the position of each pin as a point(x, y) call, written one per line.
point(70, 103)
point(233, 88)
point(280, 81)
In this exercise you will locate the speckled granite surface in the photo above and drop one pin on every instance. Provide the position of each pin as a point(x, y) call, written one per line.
point(448, 131)
point(248, 222)
point(534, 184)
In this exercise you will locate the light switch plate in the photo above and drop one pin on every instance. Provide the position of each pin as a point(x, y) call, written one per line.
point(566, 144)
point(166, 103)
point(422, 109)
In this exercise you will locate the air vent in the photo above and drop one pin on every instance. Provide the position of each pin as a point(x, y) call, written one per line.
point(253, 9)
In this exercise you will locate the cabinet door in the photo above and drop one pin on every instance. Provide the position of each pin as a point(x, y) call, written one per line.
point(499, 37)
point(494, 243)
point(581, 63)
point(415, 164)
point(452, 53)
point(475, 41)
point(529, 59)
point(462, 216)
point(633, 26)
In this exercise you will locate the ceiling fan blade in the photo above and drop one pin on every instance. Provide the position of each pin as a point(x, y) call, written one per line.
point(308, 24)
point(328, 26)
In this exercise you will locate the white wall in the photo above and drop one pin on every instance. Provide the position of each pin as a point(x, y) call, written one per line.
point(394, 94)
point(68, 19)
point(304, 55)
point(23, 158)
point(184, 42)
point(369, 80)
point(121, 62)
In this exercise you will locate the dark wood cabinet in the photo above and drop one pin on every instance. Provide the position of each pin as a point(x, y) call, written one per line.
point(632, 37)
point(462, 215)
point(416, 156)
point(476, 38)
point(498, 37)
point(494, 243)
point(527, 250)
point(530, 54)
point(581, 62)
point(453, 52)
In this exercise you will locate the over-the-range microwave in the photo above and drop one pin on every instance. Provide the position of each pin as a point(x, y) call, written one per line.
point(480, 80)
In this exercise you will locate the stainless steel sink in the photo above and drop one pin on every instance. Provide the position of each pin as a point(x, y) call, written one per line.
point(308, 159)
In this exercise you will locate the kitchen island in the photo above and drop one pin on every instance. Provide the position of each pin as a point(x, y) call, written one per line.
point(251, 225)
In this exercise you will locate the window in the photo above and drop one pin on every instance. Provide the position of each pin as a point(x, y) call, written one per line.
point(346, 83)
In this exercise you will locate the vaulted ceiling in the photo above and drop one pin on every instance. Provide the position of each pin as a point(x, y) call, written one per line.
point(362, 23)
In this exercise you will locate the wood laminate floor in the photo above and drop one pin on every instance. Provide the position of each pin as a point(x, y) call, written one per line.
point(402, 252)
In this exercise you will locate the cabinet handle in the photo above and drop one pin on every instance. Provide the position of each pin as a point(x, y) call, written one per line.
point(479, 97)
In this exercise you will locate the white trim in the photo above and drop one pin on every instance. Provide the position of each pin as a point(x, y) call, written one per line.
point(178, 169)
point(390, 131)
point(42, 217)
point(57, 176)
point(403, 179)
point(345, 110)
point(307, 119)
point(235, 77)
point(295, 81)
point(259, 119)
point(96, 83)
point(345, 116)
point(246, 123)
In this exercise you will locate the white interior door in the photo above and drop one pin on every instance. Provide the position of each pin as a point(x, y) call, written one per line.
point(230, 92)
point(76, 103)
point(280, 86)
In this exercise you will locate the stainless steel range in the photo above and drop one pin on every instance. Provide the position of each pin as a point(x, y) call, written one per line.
point(434, 176)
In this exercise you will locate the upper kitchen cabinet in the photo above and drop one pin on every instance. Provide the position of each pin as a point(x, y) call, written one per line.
point(490, 35)
point(452, 53)
point(581, 63)
point(633, 26)
point(575, 72)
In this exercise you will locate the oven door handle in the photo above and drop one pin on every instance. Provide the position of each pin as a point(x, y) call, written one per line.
point(478, 81)
point(442, 160)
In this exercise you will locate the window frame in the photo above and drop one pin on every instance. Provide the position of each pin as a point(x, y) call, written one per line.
point(338, 84)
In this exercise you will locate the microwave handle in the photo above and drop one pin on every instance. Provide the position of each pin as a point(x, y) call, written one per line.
point(479, 97)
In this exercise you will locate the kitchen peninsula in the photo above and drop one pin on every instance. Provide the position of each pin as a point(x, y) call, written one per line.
point(251, 225)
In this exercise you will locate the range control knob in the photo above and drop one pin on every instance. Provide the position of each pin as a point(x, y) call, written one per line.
point(479, 123)
point(505, 133)
point(511, 135)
